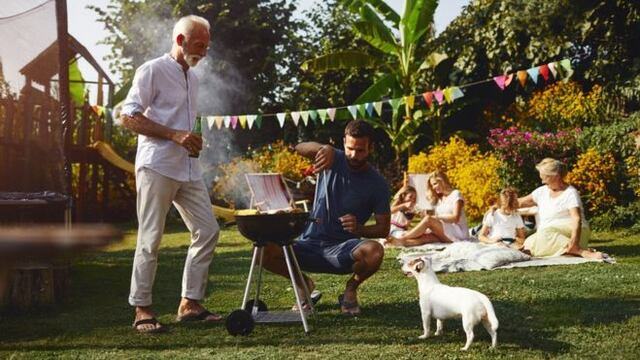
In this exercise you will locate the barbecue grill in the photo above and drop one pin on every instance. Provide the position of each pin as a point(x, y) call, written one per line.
point(281, 229)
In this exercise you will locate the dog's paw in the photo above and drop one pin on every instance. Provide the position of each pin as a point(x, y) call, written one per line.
point(438, 333)
point(423, 336)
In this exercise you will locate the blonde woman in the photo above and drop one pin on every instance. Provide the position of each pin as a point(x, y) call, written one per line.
point(563, 228)
point(447, 224)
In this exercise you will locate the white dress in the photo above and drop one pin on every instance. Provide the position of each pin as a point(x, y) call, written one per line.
point(502, 225)
point(553, 234)
point(446, 206)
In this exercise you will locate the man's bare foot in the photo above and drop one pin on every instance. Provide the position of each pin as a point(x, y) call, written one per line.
point(349, 303)
point(192, 310)
point(145, 321)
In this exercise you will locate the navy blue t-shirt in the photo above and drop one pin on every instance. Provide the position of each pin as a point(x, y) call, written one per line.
point(349, 192)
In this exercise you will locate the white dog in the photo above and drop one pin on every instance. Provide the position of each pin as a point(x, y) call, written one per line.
point(445, 302)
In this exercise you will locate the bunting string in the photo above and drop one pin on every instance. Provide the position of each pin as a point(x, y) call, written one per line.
point(559, 70)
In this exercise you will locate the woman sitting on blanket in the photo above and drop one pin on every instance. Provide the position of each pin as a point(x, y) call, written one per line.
point(447, 224)
point(503, 224)
point(563, 228)
point(403, 209)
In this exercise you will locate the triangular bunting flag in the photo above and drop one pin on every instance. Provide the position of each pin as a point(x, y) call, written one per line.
point(243, 121)
point(295, 116)
point(219, 121)
point(378, 106)
point(448, 95)
point(362, 110)
point(211, 121)
point(323, 115)
point(305, 117)
point(99, 110)
point(500, 80)
point(522, 77)
point(353, 110)
point(544, 71)
point(533, 73)
point(234, 121)
point(507, 80)
point(332, 113)
point(410, 101)
point(456, 93)
point(566, 65)
point(314, 115)
point(259, 121)
point(227, 121)
point(369, 107)
point(553, 68)
point(250, 120)
point(428, 98)
point(395, 103)
point(439, 96)
point(281, 117)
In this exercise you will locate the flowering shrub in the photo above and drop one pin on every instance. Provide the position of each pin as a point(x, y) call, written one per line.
point(558, 106)
point(230, 187)
point(472, 172)
point(564, 105)
point(593, 175)
point(633, 172)
point(521, 150)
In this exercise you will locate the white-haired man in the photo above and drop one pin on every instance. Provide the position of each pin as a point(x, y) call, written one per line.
point(161, 109)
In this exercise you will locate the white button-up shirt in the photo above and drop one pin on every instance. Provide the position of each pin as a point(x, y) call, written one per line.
point(164, 94)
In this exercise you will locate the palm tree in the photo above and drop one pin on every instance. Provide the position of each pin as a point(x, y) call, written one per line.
point(403, 43)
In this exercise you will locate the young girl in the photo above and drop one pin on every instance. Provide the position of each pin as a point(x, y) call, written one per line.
point(449, 222)
point(403, 210)
point(504, 224)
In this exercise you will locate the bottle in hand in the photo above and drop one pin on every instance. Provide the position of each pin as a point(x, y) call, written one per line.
point(197, 129)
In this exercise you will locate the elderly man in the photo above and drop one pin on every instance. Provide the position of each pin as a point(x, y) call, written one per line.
point(349, 192)
point(161, 109)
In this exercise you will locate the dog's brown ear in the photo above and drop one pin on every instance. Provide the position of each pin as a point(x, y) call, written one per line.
point(419, 265)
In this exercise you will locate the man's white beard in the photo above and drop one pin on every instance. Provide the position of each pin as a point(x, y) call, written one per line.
point(191, 59)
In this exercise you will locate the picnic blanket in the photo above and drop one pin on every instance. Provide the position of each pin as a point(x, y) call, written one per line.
point(475, 256)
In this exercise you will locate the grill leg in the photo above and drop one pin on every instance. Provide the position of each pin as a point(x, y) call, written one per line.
point(248, 286)
point(254, 311)
point(307, 293)
point(293, 283)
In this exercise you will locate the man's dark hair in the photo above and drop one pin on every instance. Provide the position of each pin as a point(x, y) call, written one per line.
point(359, 129)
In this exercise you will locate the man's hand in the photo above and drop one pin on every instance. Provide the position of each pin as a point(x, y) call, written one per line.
point(324, 158)
point(350, 224)
point(188, 140)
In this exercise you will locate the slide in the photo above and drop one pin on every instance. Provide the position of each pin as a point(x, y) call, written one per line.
point(106, 151)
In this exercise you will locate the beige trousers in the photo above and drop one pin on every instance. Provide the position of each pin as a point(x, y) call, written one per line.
point(156, 193)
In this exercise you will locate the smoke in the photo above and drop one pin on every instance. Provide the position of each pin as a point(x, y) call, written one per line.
point(217, 93)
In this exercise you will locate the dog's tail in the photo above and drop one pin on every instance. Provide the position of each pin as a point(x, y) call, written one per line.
point(491, 314)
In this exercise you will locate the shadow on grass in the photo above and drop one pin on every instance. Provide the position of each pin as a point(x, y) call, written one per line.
point(620, 250)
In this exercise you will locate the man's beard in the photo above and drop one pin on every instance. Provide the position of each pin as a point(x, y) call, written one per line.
point(356, 164)
point(191, 59)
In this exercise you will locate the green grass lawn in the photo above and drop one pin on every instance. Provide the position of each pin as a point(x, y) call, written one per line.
point(581, 311)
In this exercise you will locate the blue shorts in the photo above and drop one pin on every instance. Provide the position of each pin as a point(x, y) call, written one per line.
point(326, 257)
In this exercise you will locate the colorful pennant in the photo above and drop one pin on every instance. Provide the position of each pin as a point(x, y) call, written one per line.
point(281, 118)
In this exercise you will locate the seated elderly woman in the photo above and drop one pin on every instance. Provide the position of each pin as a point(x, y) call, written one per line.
point(563, 228)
